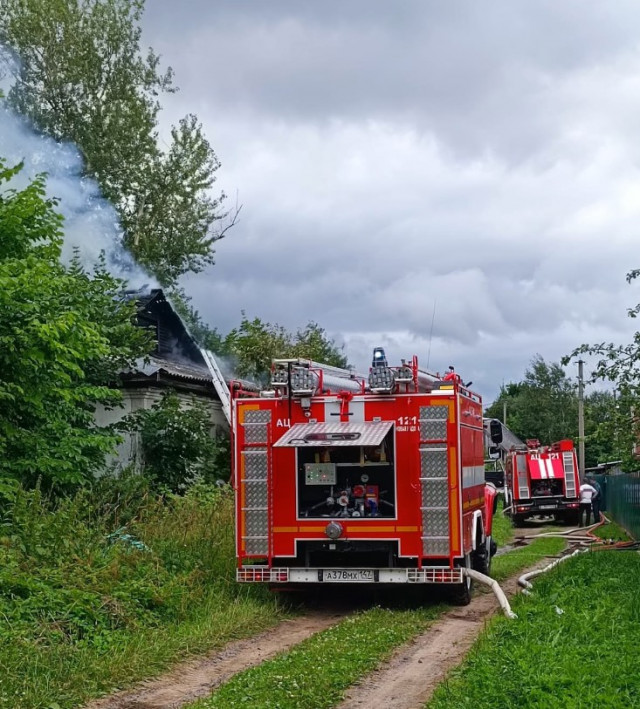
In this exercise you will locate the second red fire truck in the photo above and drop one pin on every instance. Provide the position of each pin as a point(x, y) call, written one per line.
point(542, 480)
point(342, 479)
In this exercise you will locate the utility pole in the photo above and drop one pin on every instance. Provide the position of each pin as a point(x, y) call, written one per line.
point(580, 417)
point(504, 413)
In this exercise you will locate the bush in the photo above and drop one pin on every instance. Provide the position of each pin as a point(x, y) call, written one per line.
point(178, 448)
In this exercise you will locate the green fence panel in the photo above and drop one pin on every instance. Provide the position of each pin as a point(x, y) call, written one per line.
point(621, 500)
point(602, 481)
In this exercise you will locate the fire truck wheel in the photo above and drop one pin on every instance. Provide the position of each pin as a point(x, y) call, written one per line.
point(461, 592)
point(481, 559)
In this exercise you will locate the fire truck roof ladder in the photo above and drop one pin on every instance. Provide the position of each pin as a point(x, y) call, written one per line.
point(219, 383)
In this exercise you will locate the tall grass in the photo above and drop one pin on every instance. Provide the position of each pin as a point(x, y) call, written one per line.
point(111, 586)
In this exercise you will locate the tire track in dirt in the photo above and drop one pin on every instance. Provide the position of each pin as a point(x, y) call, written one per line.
point(198, 678)
point(413, 672)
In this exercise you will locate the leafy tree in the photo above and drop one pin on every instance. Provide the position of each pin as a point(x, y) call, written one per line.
point(602, 411)
point(620, 365)
point(255, 343)
point(313, 343)
point(64, 336)
point(81, 76)
point(543, 406)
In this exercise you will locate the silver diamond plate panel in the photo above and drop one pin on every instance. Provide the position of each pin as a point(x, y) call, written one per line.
point(255, 464)
point(257, 416)
point(439, 546)
point(433, 430)
point(435, 523)
point(255, 493)
point(435, 492)
point(523, 477)
point(255, 432)
point(434, 412)
point(256, 523)
point(433, 461)
point(256, 547)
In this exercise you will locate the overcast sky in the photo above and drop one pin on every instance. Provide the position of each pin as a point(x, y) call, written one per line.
point(479, 159)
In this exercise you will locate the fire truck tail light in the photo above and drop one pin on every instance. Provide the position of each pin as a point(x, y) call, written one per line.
point(250, 574)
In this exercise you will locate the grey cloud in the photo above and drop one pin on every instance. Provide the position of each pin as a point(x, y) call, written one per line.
point(388, 156)
point(475, 74)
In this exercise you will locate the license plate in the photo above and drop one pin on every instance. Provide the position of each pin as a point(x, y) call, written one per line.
point(348, 575)
point(547, 507)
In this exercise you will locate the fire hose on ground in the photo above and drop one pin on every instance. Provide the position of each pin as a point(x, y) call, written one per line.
point(594, 542)
point(587, 538)
point(495, 587)
point(524, 579)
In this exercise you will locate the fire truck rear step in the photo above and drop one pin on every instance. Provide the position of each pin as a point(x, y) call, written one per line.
point(428, 574)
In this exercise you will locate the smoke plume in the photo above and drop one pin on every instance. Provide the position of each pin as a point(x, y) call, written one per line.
point(91, 224)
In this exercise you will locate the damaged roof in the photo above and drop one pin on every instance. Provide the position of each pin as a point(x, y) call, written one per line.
point(191, 371)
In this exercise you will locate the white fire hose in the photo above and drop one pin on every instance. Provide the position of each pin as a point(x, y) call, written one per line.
point(495, 587)
point(524, 579)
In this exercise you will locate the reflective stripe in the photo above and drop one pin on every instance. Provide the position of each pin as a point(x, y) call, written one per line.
point(549, 465)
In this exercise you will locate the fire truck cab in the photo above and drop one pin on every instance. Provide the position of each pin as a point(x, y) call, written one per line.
point(342, 479)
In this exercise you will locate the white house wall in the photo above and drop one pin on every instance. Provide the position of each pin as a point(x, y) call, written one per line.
point(128, 453)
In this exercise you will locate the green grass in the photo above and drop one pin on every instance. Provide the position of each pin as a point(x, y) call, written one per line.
point(82, 613)
point(508, 564)
point(611, 531)
point(318, 671)
point(573, 646)
point(502, 531)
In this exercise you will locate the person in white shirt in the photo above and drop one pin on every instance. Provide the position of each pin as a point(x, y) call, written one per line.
point(587, 493)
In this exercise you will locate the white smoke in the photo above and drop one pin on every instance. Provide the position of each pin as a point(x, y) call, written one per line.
point(91, 224)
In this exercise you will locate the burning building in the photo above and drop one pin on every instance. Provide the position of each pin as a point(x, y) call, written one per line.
point(176, 364)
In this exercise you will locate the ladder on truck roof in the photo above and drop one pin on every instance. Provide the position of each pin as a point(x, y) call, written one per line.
point(219, 382)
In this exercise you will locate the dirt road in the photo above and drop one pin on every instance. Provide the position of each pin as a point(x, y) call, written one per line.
point(192, 680)
point(410, 677)
point(406, 681)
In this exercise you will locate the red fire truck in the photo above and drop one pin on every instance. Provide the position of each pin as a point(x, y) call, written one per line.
point(342, 479)
point(542, 480)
